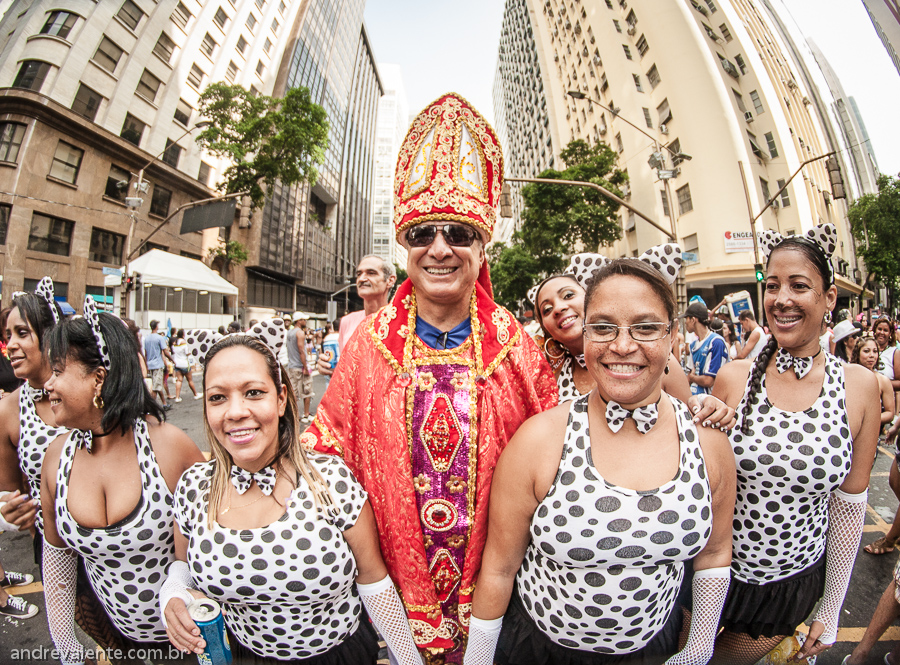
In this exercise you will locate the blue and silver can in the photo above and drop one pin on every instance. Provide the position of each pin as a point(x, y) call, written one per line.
point(207, 614)
point(330, 346)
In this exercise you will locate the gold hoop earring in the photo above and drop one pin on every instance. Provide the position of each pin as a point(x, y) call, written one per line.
point(98, 401)
point(547, 351)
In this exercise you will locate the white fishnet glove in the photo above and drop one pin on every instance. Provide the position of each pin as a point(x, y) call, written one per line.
point(386, 611)
point(60, 570)
point(710, 588)
point(846, 513)
point(176, 586)
point(483, 636)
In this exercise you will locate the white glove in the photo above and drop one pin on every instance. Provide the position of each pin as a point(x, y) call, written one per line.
point(483, 636)
point(176, 586)
point(386, 611)
point(846, 513)
point(60, 570)
point(710, 589)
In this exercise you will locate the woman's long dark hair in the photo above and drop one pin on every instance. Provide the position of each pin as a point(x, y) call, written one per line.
point(124, 393)
point(36, 313)
point(816, 256)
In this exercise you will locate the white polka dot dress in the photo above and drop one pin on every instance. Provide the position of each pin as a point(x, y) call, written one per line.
point(605, 563)
point(34, 437)
point(787, 467)
point(288, 588)
point(565, 381)
point(126, 562)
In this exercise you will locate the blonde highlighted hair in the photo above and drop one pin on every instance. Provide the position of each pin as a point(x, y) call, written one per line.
point(289, 447)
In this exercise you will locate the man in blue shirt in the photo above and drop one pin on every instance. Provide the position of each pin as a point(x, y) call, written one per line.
point(155, 352)
point(708, 352)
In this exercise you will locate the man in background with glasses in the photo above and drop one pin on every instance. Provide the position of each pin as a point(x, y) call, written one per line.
point(431, 388)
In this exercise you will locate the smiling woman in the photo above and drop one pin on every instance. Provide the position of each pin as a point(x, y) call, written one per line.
point(786, 517)
point(301, 524)
point(633, 452)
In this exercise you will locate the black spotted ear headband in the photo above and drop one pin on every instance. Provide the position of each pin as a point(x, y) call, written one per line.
point(269, 332)
point(665, 258)
point(44, 290)
point(93, 319)
point(824, 237)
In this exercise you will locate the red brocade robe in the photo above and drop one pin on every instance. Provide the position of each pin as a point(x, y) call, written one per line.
point(422, 430)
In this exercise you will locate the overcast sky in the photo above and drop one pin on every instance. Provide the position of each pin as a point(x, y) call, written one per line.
point(445, 46)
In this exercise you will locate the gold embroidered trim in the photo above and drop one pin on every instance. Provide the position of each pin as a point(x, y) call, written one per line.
point(500, 319)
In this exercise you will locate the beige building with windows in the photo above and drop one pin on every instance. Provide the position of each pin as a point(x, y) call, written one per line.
point(97, 96)
point(714, 103)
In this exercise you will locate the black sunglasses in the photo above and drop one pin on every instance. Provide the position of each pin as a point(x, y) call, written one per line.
point(455, 235)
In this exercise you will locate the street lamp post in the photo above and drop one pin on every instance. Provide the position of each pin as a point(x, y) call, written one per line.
point(657, 161)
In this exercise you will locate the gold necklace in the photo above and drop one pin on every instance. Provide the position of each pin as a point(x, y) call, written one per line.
point(243, 505)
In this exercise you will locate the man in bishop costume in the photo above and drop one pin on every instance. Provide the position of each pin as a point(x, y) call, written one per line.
point(431, 387)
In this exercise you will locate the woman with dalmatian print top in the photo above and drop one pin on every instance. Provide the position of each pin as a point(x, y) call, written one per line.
point(804, 444)
point(596, 504)
point(276, 537)
point(27, 425)
point(559, 308)
point(107, 486)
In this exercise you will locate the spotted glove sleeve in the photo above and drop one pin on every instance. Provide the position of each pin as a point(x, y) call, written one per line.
point(176, 586)
point(386, 611)
point(483, 636)
point(60, 570)
point(710, 588)
point(846, 513)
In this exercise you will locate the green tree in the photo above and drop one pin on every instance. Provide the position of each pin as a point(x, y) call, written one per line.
point(559, 220)
point(230, 253)
point(265, 138)
point(875, 223)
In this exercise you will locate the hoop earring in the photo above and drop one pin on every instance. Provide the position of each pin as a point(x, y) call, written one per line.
point(547, 351)
point(828, 318)
point(98, 401)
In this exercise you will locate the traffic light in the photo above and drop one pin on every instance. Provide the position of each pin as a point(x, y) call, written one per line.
point(760, 273)
point(128, 283)
point(137, 281)
point(834, 175)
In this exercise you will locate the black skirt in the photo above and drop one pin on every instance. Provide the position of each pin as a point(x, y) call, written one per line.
point(774, 609)
point(523, 643)
point(361, 648)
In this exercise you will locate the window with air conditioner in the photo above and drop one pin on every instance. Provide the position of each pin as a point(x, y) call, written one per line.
point(117, 183)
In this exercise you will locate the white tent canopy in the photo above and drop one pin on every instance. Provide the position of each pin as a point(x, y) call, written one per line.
point(161, 268)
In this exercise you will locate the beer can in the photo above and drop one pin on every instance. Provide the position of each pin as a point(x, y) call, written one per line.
point(331, 347)
point(207, 614)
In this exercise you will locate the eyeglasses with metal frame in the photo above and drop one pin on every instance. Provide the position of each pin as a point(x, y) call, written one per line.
point(650, 331)
point(455, 235)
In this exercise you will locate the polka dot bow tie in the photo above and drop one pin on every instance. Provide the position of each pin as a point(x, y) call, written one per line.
point(34, 394)
point(801, 366)
point(645, 417)
point(242, 479)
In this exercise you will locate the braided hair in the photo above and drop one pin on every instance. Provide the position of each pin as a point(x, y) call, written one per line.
point(816, 256)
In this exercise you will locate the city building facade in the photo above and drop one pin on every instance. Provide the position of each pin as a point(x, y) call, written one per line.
point(885, 16)
point(310, 238)
point(98, 113)
point(393, 122)
point(705, 107)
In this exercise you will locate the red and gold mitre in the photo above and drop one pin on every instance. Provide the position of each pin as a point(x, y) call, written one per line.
point(450, 167)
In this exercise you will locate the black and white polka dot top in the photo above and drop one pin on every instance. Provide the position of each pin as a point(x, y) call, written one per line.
point(34, 437)
point(787, 468)
point(605, 563)
point(288, 587)
point(126, 562)
point(565, 381)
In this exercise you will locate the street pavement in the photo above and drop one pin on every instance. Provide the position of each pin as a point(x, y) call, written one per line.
point(871, 574)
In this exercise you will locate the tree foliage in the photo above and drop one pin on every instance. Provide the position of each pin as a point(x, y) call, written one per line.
point(875, 222)
point(558, 221)
point(265, 138)
point(231, 252)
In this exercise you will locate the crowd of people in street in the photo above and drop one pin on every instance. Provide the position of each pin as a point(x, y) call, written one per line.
point(609, 490)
